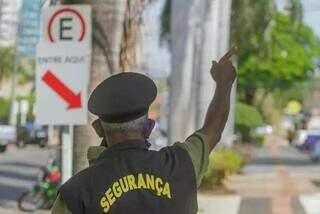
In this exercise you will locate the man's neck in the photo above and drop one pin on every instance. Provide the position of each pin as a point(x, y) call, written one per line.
point(116, 138)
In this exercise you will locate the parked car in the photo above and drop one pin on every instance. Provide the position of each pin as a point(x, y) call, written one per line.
point(32, 134)
point(313, 136)
point(315, 154)
point(263, 130)
point(309, 141)
point(8, 134)
point(300, 137)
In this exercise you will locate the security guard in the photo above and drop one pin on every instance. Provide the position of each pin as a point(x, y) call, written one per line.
point(126, 177)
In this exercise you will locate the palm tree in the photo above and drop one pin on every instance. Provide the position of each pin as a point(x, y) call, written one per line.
point(6, 56)
point(296, 11)
point(199, 33)
point(115, 37)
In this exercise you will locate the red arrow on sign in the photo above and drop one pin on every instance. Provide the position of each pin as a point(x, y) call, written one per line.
point(73, 99)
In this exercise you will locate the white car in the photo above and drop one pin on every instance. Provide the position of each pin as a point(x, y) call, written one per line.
point(8, 134)
point(263, 130)
point(301, 137)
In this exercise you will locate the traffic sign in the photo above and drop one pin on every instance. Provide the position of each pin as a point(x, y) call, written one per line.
point(62, 83)
point(67, 23)
point(62, 65)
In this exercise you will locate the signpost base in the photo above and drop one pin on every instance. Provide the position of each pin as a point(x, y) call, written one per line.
point(67, 154)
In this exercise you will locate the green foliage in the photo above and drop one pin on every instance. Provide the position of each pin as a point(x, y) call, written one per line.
point(247, 118)
point(299, 91)
point(221, 165)
point(292, 54)
point(275, 50)
point(25, 71)
point(259, 140)
point(296, 11)
point(4, 109)
point(251, 21)
point(247, 115)
point(6, 58)
point(31, 100)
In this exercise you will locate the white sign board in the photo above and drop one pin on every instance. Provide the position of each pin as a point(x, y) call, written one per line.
point(62, 84)
point(63, 62)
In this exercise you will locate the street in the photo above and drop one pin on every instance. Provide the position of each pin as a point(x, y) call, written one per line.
point(280, 179)
point(19, 169)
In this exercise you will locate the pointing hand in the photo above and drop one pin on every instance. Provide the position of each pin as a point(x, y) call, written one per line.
point(223, 72)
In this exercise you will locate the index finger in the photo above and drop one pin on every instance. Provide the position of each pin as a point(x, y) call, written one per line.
point(230, 53)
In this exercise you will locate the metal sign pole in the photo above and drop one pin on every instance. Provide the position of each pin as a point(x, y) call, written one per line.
point(67, 154)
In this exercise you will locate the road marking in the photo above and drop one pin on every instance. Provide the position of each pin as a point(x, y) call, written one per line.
point(281, 204)
point(311, 203)
point(219, 204)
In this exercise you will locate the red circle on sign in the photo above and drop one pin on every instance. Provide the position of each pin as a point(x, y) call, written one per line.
point(67, 10)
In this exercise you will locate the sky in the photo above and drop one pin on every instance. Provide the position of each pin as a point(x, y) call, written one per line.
point(312, 14)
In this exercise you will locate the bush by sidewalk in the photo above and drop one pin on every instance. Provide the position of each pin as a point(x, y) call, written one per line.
point(247, 118)
point(221, 165)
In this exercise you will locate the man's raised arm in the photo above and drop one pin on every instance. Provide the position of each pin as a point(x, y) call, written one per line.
point(224, 73)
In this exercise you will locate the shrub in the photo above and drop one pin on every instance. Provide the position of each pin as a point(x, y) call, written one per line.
point(259, 139)
point(4, 109)
point(31, 100)
point(221, 165)
point(247, 118)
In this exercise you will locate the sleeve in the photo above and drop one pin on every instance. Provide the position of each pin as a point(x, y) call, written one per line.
point(197, 147)
point(59, 207)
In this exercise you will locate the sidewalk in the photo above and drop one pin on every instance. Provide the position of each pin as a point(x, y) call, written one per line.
point(279, 180)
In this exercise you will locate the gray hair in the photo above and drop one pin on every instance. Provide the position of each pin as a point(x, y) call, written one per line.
point(133, 125)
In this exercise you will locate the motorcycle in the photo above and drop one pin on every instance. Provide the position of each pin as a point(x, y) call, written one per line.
point(43, 194)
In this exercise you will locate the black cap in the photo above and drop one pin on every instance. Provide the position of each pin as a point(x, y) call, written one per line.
point(122, 97)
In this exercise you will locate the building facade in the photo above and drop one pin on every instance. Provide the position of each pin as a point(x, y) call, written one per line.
point(9, 17)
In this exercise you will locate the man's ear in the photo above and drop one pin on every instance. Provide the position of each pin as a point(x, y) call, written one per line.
point(150, 126)
point(98, 128)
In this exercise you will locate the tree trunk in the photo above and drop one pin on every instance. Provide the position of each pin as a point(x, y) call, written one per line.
point(249, 94)
point(200, 33)
point(182, 82)
point(215, 42)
